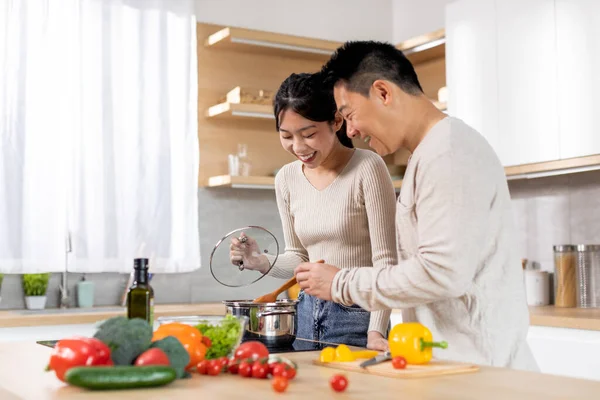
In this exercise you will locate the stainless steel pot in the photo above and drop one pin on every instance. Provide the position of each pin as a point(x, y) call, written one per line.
point(273, 324)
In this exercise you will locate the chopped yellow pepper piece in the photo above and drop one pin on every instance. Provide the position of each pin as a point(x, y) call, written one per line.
point(327, 355)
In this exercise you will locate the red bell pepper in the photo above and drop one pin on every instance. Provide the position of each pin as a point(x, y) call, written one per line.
point(77, 352)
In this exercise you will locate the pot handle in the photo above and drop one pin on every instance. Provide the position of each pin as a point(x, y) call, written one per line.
point(261, 314)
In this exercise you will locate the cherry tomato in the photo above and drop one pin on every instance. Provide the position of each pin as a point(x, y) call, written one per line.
point(279, 384)
point(272, 366)
point(252, 349)
point(289, 373)
point(233, 366)
point(206, 341)
point(399, 362)
point(278, 369)
point(224, 361)
point(214, 368)
point(284, 370)
point(260, 370)
point(339, 383)
point(245, 369)
point(202, 367)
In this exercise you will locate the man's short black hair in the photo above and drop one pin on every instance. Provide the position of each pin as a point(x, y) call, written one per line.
point(359, 64)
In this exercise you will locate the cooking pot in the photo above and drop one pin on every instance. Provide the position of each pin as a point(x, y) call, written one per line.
point(273, 324)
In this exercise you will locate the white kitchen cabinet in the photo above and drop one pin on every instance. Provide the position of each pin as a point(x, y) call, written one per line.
point(527, 75)
point(501, 70)
point(566, 352)
point(578, 47)
point(471, 66)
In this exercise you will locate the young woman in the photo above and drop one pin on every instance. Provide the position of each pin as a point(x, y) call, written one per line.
point(336, 203)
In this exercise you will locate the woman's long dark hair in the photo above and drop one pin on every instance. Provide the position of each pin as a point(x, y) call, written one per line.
point(308, 96)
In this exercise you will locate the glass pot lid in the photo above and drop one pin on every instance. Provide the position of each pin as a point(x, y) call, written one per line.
point(244, 256)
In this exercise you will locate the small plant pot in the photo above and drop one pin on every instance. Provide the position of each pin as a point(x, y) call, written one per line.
point(35, 302)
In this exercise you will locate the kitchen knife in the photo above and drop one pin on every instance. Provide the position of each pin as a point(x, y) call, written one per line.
point(377, 360)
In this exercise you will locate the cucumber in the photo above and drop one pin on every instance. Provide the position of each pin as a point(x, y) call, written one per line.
point(120, 377)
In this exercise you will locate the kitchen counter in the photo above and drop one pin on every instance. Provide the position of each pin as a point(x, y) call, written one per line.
point(16, 318)
point(22, 376)
point(573, 318)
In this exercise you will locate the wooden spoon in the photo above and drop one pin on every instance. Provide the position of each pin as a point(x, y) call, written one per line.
point(272, 297)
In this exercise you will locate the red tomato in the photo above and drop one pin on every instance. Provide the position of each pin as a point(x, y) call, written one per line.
point(202, 367)
point(152, 357)
point(279, 384)
point(253, 350)
point(233, 366)
point(284, 370)
point(214, 368)
point(399, 362)
point(260, 370)
point(245, 369)
point(272, 366)
point(339, 383)
point(278, 369)
point(206, 341)
point(289, 373)
point(223, 361)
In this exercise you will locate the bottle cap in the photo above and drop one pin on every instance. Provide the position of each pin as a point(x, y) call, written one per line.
point(140, 263)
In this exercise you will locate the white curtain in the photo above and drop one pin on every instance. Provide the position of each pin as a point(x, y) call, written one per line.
point(98, 117)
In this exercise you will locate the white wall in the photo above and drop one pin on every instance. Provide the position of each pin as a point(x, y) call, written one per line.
point(338, 20)
point(412, 18)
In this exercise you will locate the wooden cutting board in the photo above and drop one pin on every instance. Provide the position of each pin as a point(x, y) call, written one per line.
point(433, 368)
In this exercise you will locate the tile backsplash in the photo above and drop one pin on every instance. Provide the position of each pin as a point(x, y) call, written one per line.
point(555, 210)
point(548, 211)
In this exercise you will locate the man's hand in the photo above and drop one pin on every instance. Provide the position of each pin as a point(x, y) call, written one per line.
point(316, 279)
point(376, 341)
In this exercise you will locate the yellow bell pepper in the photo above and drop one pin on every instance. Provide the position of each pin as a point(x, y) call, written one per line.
point(327, 355)
point(413, 341)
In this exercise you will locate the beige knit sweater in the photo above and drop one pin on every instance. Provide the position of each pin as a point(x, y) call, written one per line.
point(349, 223)
point(460, 274)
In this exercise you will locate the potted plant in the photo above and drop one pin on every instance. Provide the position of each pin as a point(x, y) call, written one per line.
point(34, 288)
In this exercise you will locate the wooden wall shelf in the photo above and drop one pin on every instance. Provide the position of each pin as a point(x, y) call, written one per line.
point(425, 48)
point(234, 110)
point(254, 182)
point(246, 40)
point(550, 168)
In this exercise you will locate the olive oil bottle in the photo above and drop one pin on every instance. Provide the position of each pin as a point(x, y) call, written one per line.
point(140, 297)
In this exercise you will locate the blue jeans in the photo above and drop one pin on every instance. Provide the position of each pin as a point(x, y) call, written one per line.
point(327, 321)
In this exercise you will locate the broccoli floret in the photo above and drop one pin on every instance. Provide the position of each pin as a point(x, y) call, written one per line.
point(127, 338)
point(178, 355)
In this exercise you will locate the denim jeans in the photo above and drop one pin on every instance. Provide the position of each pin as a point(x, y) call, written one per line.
point(327, 321)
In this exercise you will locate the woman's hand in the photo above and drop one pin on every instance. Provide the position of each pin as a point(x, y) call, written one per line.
point(249, 253)
point(376, 341)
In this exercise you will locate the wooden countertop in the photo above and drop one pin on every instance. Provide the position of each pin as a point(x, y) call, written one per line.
point(15, 318)
point(22, 376)
point(573, 318)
